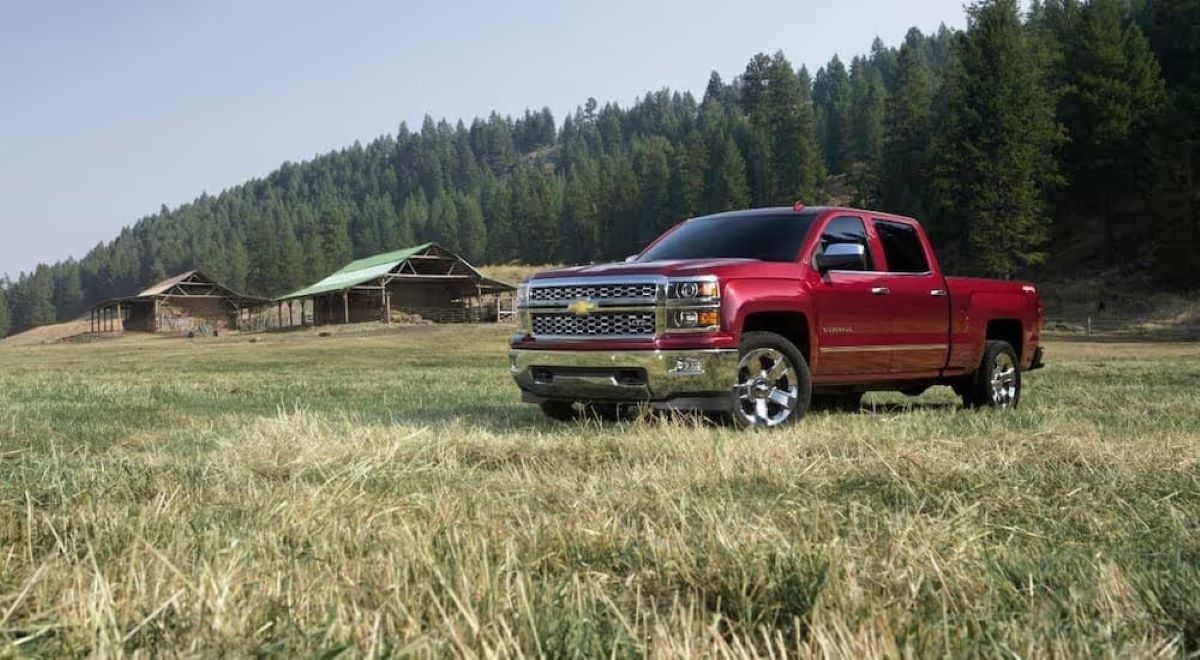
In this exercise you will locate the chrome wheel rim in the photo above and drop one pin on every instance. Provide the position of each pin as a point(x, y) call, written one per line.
point(1004, 381)
point(766, 387)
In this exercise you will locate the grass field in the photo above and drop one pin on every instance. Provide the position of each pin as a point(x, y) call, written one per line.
point(386, 494)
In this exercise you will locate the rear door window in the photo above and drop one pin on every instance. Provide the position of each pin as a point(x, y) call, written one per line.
point(902, 247)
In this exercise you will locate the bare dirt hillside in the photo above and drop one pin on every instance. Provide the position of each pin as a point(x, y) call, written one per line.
point(513, 273)
point(48, 334)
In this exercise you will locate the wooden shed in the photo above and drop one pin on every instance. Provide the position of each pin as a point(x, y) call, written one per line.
point(188, 302)
point(426, 280)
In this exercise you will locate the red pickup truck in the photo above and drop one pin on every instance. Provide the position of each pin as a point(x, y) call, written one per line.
point(761, 314)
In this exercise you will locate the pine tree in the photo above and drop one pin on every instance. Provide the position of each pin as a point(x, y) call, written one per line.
point(904, 170)
point(1113, 97)
point(869, 100)
point(473, 234)
point(263, 241)
point(34, 304)
point(335, 233)
point(5, 311)
point(727, 179)
point(291, 266)
point(996, 150)
point(497, 205)
point(652, 167)
point(364, 228)
point(1173, 179)
point(831, 98)
point(796, 167)
point(68, 291)
point(582, 240)
point(443, 222)
point(687, 176)
point(415, 214)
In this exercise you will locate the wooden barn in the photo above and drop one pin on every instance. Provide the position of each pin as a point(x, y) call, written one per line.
point(188, 302)
point(426, 280)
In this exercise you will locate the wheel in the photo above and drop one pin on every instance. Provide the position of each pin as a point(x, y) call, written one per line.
point(563, 411)
point(773, 385)
point(997, 382)
point(843, 402)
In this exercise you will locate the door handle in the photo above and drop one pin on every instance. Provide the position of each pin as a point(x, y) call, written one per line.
point(938, 293)
point(881, 291)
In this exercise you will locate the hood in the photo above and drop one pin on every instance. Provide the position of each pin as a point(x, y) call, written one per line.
point(670, 268)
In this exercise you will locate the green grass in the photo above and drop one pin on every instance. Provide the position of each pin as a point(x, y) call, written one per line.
point(386, 494)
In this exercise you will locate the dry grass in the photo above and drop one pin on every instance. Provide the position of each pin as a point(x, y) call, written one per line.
point(385, 495)
point(514, 273)
point(48, 334)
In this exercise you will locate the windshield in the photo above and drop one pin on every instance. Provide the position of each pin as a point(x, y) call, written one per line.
point(763, 236)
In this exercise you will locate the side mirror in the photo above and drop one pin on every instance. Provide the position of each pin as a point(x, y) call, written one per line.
point(631, 258)
point(842, 256)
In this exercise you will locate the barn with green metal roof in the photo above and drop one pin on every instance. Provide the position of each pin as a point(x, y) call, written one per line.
point(426, 280)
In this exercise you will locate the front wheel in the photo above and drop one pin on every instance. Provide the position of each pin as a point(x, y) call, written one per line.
point(997, 383)
point(773, 385)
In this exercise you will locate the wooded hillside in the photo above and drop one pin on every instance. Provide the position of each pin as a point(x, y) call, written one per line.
point(1065, 140)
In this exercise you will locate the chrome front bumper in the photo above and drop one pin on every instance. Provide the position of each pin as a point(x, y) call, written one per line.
point(671, 379)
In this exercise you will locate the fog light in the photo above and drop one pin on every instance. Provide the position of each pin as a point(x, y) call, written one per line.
point(687, 366)
point(687, 319)
point(512, 364)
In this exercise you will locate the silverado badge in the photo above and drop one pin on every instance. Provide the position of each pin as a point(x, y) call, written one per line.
point(582, 307)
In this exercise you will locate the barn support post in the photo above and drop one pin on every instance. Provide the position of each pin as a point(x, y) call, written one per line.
point(383, 302)
point(346, 304)
point(291, 315)
point(119, 324)
point(279, 310)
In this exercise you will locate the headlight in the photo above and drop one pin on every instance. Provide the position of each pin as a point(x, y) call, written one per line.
point(523, 294)
point(694, 319)
point(700, 289)
point(694, 305)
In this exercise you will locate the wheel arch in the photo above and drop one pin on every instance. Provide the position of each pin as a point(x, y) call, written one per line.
point(789, 324)
point(1007, 329)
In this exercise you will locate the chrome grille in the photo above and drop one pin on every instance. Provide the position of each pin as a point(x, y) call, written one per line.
point(601, 324)
point(646, 290)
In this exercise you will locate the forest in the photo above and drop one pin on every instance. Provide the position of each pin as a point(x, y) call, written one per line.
point(1058, 140)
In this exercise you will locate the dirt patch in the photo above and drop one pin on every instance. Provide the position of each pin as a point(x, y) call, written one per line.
point(48, 334)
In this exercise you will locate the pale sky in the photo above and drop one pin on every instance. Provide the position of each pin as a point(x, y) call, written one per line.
point(111, 109)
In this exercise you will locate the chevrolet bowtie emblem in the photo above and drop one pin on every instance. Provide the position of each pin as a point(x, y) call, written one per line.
point(582, 307)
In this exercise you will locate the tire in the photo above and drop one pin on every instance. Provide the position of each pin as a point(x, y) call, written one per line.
point(845, 402)
point(772, 386)
point(997, 382)
point(563, 411)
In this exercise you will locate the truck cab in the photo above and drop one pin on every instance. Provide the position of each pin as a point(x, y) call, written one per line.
point(762, 314)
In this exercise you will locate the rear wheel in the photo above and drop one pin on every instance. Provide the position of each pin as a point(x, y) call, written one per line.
point(773, 386)
point(997, 382)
